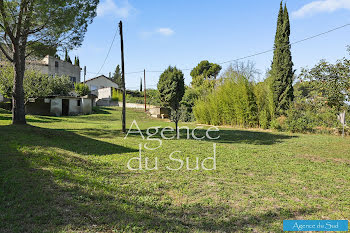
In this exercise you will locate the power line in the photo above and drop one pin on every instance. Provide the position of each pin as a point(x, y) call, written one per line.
point(110, 48)
point(255, 54)
point(271, 50)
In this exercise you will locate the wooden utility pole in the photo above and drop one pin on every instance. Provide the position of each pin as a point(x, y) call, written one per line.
point(84, 74)
point(144, 84)
point(123, 74)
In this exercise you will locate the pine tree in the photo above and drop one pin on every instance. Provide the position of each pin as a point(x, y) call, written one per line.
point(140, 84)
point(117, 76)
point(66, 57)
point(76, 61)
point(282, 65)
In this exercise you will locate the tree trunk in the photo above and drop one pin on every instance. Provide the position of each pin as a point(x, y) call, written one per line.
point(176, 126)
point(18, 108)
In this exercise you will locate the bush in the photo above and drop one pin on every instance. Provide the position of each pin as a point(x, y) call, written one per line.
point(117, 95)
point(82, 89)
point(231, 103)
point(187, 104)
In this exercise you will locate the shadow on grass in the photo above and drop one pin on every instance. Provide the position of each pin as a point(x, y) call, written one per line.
point(35, 136)
point(38, 200)
point(101, 110)
point(38, 119)
point(226, 135)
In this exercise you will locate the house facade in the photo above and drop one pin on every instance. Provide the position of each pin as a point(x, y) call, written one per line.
point(100, 82)
point(61, 106)
point(56, 67)
point(102, 87)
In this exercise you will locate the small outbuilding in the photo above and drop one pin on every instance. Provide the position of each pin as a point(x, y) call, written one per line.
point(60, 105)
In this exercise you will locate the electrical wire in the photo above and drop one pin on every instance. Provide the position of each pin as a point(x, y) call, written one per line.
point(237, 59)
point(109, 51)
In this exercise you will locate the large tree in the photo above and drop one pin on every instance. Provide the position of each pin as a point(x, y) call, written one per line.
point(204, 74)
point(329, 82)
point(117, 76)
point(282, 66)
point(171, 87)
point(54, 23)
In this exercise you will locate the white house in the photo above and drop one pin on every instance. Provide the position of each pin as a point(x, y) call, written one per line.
point(100, 82)
point(102, 87)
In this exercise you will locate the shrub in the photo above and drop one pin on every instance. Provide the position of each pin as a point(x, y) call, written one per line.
point(117, 95)
point(82, 89)
point(187, 103)
point(231, 103)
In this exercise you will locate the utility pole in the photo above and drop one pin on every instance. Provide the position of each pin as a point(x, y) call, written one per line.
point(84, 74)
point(144, 84)
point(123, 74)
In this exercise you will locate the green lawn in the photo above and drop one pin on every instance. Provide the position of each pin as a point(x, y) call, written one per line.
point(70, 174)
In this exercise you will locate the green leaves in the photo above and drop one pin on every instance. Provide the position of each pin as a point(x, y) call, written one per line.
point(204, 74)
point(171, 87)
point(330, 81)
point(282, 66)
point(35, 84)
point(82, 89)
point(117, 76)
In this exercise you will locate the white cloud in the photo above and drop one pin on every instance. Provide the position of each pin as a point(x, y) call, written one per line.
point(165, 31)
point(159, 31)
point(109, 7)
point(321, 6)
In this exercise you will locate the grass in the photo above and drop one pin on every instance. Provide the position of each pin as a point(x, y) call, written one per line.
point(70, 174)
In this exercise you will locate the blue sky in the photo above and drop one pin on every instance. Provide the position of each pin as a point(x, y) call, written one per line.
point(181, 33)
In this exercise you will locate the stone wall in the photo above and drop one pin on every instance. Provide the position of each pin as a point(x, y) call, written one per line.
point(53, 66)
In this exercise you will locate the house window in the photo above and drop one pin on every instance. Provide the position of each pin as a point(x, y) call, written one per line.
point(93, 88)
point(73, 79)
point(79, 103)
point(56, 64)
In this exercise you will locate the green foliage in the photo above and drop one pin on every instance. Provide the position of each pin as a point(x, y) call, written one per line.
point(330, 81)
point(82, 89)
point(264, 102)
point(204, 74)
point(117, 76)
point(117, 95)
point(35, 84)
point(6, 80)
point(310, 111)
point(141, 85)
point(76, 61)
point(282, 66)
point(60, 85)
point(188, 101)
point(171, 87)
point(66, 57)
point(153, 97)
point(231, 103)
point(40, 50)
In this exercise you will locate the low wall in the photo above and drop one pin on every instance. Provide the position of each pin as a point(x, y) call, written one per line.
point(133, 105)
point(104, 93)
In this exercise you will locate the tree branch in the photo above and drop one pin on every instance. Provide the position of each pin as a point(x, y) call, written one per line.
point(6, 54)
point(6, 25)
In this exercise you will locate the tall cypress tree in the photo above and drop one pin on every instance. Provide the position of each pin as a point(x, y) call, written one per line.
point(282, 65)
